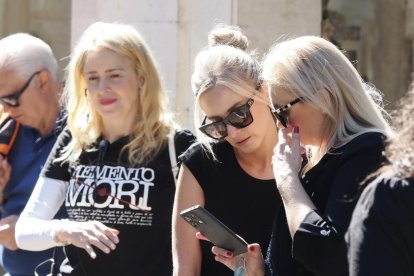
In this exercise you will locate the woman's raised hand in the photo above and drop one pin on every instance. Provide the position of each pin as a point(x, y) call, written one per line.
point(287, 157)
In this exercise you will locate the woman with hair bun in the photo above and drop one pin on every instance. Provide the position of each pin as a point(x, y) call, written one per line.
point(321, 104)
point(229, 174)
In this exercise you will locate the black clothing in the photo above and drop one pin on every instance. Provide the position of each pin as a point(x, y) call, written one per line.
point(136, 200)
point(318, 246)
point(381, 234)
point(245, 204)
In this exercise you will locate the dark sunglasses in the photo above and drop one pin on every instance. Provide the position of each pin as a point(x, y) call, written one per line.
point(239, 118)
point(13, 99)
point(281, 112)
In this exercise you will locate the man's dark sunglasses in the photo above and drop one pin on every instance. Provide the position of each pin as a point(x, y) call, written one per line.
point(281, 112)
point(239, 118)
point(13, 99)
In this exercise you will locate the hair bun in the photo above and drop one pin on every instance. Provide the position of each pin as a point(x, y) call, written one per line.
point(228, 35)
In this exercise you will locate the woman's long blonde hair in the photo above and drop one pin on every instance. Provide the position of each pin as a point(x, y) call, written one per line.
point(314, 69)
point(151, 125)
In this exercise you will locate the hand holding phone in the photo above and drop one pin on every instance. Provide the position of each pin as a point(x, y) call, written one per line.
point(212, 228)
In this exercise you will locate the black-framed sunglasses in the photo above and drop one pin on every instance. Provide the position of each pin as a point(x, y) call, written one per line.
point(13, 99)
point(281, 112)
point(240, 117)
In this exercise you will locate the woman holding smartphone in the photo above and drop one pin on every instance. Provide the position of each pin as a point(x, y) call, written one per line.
point(232, 175)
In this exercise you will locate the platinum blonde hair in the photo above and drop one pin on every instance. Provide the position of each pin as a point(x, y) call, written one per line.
point(313, 68)
point(152, 124)
point(224, 63)
point(26, 54)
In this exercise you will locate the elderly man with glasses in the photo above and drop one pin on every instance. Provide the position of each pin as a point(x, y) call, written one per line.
point(29, 93)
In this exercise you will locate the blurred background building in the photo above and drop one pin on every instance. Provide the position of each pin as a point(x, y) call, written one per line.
point(375, 34)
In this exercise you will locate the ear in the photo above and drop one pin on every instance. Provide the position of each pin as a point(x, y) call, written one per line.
point(141, 82)
point(43, 79)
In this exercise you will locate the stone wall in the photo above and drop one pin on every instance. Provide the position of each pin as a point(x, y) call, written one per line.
point(177, 29)
point(376, 37)
point(46, 19)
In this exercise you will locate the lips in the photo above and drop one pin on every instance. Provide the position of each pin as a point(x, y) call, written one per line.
point(16, 117)
point(242, 141)
point(107, 101)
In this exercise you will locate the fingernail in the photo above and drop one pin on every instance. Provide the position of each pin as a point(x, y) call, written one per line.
point(228, 253)
point(251, 248)
point(296, 129)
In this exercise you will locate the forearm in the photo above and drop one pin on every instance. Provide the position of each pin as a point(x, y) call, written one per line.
point(296, 202)
point(37, 234)
point(35, 228)
point(186, 247)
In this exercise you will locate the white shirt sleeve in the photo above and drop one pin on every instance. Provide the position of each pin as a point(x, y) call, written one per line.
point(35, 227)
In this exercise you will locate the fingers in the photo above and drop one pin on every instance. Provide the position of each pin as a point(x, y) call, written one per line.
point(282, 135)
point(5, 170)
point(296, 140)
point(102, 242)
point(225, 257)
point(201, 236)
point(255, 249)
point(110, 235)
point(7, 230)
point(92, 235)
point(221, 252)
point(253, 259)
point(85, 244)
point(9, 220)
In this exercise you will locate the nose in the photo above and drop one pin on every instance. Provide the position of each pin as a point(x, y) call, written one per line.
point(103, 85)
point(231, 130)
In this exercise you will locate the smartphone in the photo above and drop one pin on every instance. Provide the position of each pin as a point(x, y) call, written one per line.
point(211, 227)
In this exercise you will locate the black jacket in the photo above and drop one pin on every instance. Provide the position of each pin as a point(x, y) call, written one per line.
point(381, 233)
point(318, 246)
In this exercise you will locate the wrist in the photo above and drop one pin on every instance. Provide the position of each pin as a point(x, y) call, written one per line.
point(58, 237)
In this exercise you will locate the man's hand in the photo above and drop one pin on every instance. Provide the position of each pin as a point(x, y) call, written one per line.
point(7, 227)
point(5, 170)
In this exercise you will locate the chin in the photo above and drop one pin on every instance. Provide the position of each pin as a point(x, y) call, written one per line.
point(248, 147)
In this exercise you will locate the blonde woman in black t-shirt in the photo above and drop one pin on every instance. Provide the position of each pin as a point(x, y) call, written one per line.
point(111, 166)
point(229, 174)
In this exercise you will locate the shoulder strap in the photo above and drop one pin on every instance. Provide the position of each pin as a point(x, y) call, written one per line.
point(173, 157)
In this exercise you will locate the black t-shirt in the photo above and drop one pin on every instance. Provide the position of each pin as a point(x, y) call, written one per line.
point(136, 200)
point(381, 234)
point(333, 185)
point(247, 205)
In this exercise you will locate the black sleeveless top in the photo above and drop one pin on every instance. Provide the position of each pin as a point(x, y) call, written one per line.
point(247, 205)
